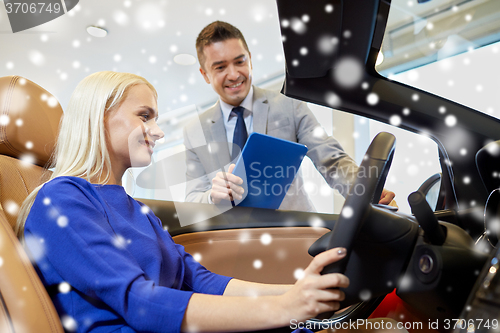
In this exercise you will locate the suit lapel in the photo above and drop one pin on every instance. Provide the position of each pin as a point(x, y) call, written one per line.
point(218, 131)
point(260, 111)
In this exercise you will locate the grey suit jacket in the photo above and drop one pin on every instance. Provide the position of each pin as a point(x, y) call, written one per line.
point(207, 149)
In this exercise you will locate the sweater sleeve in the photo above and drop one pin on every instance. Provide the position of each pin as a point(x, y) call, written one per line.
point(198, 279)
point(80, 246)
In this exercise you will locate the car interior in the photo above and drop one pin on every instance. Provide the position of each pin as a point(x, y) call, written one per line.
point(437, 264)
point(25, 305)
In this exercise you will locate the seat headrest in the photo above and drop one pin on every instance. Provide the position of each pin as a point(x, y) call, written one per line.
point(488, 162)
point(29, 120)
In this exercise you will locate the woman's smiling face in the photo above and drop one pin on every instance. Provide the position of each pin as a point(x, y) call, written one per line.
point(132, 130)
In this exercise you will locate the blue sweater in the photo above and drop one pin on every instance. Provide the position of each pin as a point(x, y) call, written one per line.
point(125, 271)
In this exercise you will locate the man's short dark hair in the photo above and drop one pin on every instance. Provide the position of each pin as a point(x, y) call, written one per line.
point(217, 31)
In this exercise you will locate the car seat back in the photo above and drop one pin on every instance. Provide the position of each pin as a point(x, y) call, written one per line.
point(29, 120)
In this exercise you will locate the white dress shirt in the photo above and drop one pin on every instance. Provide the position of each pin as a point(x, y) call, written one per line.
point(230, 117)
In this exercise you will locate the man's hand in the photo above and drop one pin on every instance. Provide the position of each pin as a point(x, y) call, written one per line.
point(225, 186)
point(386, 198)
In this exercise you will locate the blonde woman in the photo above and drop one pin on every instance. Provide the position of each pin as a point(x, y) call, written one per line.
point(104, 257)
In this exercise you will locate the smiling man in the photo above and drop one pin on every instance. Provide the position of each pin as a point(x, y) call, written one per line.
point(225, 63)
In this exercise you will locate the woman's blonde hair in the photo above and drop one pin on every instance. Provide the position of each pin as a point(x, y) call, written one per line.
point(81, 149)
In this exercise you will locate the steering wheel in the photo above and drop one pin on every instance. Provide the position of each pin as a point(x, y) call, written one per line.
point(365, 191)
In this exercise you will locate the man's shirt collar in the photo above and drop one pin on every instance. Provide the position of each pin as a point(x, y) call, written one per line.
point(227, 108)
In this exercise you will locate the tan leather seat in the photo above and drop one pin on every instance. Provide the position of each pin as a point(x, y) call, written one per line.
point(29, 120)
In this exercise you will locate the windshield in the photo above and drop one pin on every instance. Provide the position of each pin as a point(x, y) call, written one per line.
point(445, 47)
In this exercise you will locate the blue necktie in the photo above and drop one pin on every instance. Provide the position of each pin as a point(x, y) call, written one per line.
point(240, 131)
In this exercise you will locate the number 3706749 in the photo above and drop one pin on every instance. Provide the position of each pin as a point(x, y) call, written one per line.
point(25, 8)
point(471, 323)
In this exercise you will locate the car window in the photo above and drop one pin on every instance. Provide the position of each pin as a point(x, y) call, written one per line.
point(445, 47)
point(415, 160)
point(416, 157)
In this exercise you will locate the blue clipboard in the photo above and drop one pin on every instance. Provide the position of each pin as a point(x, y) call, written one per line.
point(268, 166)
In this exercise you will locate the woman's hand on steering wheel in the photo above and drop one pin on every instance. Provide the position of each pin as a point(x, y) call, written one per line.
point(315, 293)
